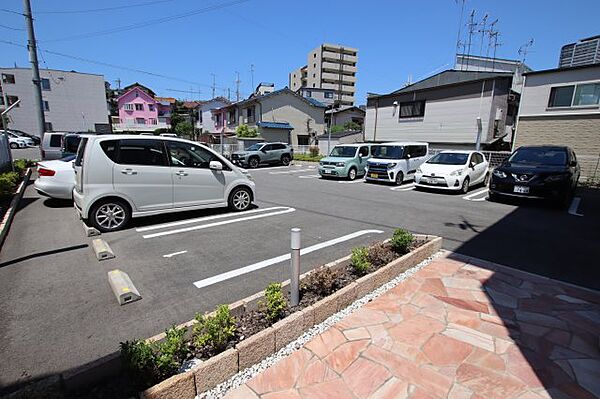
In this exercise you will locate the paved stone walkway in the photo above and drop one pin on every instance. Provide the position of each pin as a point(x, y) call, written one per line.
point(458, 328)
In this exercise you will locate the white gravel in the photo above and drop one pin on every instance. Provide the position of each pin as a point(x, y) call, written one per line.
point(245, 375)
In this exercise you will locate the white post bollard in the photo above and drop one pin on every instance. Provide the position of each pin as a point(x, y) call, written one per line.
point(295, 268)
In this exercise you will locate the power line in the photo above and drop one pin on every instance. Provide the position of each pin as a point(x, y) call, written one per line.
point(149, 3)
point(10, 27)
point(149, 22)
point(11, 11)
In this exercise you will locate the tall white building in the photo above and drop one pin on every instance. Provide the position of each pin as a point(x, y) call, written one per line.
point(73, 101)
point(329, 66)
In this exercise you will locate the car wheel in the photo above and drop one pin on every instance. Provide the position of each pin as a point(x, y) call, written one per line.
point(285, 160)
point(399, 178)
point(465, 186)
point(253, 162)
point(492, 197)
point(109, 215)
point(240, 199)
point(14, 146)
point(352, 174)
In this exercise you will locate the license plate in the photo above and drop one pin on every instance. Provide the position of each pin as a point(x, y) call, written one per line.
point(521, 189)
point(327, 171)
point(425, 179)
point(374, 175)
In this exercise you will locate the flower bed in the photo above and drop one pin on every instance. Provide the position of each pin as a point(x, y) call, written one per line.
point(242, 334)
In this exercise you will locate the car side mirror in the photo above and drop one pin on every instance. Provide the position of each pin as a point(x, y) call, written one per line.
point(263, 150)
point(407, 156)
point(215, 165)
point(472, 164)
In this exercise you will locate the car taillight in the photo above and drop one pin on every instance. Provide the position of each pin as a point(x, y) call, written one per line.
point(46, 172)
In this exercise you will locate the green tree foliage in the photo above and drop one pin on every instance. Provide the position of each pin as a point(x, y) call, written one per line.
point(359, 260)
point(401, 241)
point(215, 331)
point(353, 126)
point(246, 131)
point(184, 129)
point(275, 303)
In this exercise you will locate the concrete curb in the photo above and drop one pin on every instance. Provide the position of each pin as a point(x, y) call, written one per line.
point(14, 205)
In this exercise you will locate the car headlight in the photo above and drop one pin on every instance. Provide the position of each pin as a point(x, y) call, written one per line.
point(560, 177)
point(457, 172)
point(321, 163)
point(340, 164)
point(391, 165)
point(500, 174)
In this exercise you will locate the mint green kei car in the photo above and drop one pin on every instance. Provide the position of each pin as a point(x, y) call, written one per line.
point(346, 160)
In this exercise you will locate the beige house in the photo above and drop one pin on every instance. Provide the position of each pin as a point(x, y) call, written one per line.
point(562, 106)
point(329, 66)
point(281, 115)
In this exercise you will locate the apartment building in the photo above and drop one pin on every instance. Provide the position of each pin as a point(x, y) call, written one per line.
point(329, 66)
point(72, 101)
point(584, 52)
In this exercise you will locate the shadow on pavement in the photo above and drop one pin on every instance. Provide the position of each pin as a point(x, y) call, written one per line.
point(45, 253)
point(58, 203)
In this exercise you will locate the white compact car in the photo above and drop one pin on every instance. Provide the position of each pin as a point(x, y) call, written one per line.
point(395, 162)
point(453, 170)
point(56, 179)
point(118, 177)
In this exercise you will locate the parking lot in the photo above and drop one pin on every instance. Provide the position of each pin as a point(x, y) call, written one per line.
point(59, 312)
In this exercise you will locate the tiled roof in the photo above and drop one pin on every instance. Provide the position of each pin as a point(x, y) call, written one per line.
point(338, 135)
point(314, 102)
point(275, 125)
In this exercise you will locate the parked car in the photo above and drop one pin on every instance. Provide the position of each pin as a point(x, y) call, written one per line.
point(70, 143)
point(540, 172)
point(16, 141)
point(453, 170)
point(272, 153)
point(118, 177)
point(36, 140)
point(395, 162)
point(52, 145)
point(346, 160)
point(56, 178)
point(167, 134)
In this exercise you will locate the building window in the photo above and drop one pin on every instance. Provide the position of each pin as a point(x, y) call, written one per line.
point(139, 107)
point(151, 107)
point(231, 117)
point(152, 121)
point(128, 107)
point(250, 114)
point(412, 109)
point(218, 119)
point(8, 78)
point(46, 106)
point(314, 85)
point(308, 93)
point(140, 121)
point(48, 128)
point(561, 96)
point(45, 84)
point(587, 94)
point(328, 94)
point(12, 99)
point(314, 65)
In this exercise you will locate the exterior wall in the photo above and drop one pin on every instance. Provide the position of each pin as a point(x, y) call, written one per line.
point(295, 79)
point(580, 132)
point(207, 123)
point(355, 138)
point(317, 94)
point(152, 119)
point(342, 117)
point(450, 114)
point(274, 134)
point(77, 101)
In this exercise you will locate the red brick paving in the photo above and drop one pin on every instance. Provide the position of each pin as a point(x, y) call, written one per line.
point(459, 328)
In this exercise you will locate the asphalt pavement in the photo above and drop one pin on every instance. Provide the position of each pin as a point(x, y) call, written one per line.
point(58, 311)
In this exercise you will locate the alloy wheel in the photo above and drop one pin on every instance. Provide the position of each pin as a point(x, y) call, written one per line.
point(240, 200)
point(352, 174)
point(110, 216)
point(253, 163)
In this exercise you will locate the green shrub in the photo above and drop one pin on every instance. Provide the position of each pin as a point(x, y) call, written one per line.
point(171, 352)
point(337, 128)
point(322, 281)
point(360, 260)
point(139, 362)
point(401, 241)
point(307, 157)
point(275, 303)
point(19, 165)
point(214, 332)
point(245, 131)
point(8, 183)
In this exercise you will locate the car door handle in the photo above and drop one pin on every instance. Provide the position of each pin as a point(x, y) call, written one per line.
point(181, 173)
point(129, 172)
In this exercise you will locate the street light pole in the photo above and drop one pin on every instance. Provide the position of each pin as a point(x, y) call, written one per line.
point(35, 69)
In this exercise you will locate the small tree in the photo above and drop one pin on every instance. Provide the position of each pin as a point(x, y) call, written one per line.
point(184, 129)
point(337, 129)
point(352, 126)
point(176, 119)
point(246, 131)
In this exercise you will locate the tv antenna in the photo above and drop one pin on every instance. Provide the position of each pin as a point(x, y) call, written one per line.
point(524, 49)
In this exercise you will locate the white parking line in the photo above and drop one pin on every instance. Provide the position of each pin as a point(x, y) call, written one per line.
point(309, 176)
point(405, 187)
point(574, 205)
point(268, 262)
point(291, 171)
point(205, 218)
point(351, 182)
point(215, 224)
point(469, 197)
point(174, 253)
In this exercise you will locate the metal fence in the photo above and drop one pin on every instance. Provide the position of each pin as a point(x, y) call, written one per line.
point(495, 158)
point(227, 149)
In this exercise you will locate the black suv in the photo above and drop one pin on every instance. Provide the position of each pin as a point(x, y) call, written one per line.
point(541, 172)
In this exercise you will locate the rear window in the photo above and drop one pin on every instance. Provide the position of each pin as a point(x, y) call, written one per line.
point(110, 149)
point(142, 152)
point(56, 140)
point(71, 143)
point(80, 151)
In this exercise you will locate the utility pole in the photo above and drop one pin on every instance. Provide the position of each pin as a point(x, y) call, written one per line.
point(252, 75)
point(35, 69)
point(118, 81)
point(237, 86)
point(213, 85)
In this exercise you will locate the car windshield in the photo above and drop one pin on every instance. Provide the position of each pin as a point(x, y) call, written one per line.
point(255, 147)
point(387, 151)
point(539, 156)
point(345, 152)
point(449, 158)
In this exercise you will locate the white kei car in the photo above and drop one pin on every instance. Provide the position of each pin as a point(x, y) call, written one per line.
point(453, 170)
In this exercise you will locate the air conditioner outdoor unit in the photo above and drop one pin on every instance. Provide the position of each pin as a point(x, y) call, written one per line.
point(245, 119)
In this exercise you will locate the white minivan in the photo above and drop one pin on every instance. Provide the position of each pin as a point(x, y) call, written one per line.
point(395, 162)
point(118, 177)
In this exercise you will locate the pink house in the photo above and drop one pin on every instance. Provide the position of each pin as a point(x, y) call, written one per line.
point(140, 111)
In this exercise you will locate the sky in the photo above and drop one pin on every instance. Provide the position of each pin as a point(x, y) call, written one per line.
point(175, 46)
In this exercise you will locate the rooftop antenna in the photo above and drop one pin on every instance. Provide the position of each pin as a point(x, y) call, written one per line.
point(524, 49)
point(460, 23)
point(471, 26)
point(237, 86)
point(495, 45)
point(213, 87)
point(483, 31)
point(491, 33)
point(252, 74)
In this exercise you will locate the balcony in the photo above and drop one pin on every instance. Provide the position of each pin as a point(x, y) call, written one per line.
point(335, 67)
point(139, 127)
point(336, 77)
point(336, 87)
point(331, 55)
